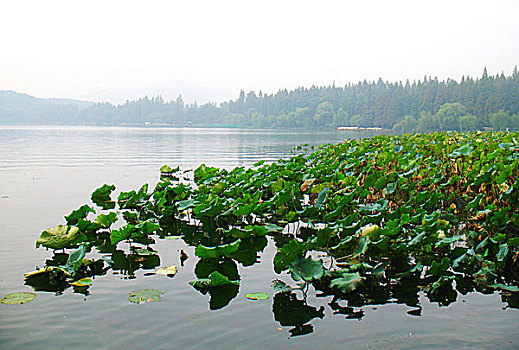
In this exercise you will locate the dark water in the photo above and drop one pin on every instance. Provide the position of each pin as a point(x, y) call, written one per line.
point(46, 172)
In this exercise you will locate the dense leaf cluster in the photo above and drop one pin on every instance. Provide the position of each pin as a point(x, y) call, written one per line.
point(384, 217)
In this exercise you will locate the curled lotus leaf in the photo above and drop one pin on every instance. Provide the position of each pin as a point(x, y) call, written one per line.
point(47, 269)
point(167, 271)
point(59, 237)
point(18, 298)
point(257, 296)
point(141, 296)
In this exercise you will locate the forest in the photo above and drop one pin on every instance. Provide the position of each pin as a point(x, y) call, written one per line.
point(423, 105)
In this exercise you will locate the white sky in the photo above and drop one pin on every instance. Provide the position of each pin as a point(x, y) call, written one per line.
point(112, 50)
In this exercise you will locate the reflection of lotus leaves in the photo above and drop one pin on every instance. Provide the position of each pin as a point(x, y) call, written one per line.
point(290, 311)
point(58, 237)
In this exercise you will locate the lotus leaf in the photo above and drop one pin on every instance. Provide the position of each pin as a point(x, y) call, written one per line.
point(348, 282)
point(45, 270)
point(18, 298)
point(216, 279)
point(287, 254)
point(106, 220)
point(280, 286)
point(59, 237)
point(257, 296)
point(141, 296)
point(225, 250)
point(79, 214)
point(84, 282)
point(306, 269)
point(121, 234)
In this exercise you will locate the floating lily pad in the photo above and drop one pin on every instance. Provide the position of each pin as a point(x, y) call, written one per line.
point(257, 296)
point(141, 296)
point(167, 271)
point(84, 282)
point(18, 298)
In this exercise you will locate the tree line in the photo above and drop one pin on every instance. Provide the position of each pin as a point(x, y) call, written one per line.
point(423, 105)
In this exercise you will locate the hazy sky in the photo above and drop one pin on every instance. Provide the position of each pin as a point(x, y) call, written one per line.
point(113, 50)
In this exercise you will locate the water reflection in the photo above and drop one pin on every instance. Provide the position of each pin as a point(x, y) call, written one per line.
point(290, 306)
point(290, 311)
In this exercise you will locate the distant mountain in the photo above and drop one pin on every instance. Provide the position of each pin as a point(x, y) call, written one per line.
point(18, 108)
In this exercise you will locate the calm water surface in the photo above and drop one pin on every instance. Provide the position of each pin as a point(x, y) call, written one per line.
point(46, 172)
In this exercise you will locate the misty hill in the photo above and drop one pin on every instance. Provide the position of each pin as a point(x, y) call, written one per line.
point(424, 105)
point(18, 108)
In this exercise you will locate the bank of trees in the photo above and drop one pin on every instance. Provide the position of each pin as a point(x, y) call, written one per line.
point(423, 105)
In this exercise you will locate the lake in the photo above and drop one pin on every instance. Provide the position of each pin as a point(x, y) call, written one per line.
point(48, 171)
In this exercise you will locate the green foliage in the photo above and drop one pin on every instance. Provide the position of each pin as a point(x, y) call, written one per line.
point(215, 279)
point(106, 220)
point(225, 250)
point(18, 298)
point(306, 269)
point(101, 197)
point(59, 237)
point(421, 210)
point(141, 296)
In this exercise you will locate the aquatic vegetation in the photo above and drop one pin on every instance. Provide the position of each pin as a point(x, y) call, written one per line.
point(169, 271)
point(257, 296)
point(141, 296)
point(18, 298)
point(59, 237)
point(390, 216)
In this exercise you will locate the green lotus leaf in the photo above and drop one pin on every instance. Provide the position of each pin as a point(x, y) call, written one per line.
point(362, 246)
point(59, 237)
point(257, 296)
point(225, 250)
point(101, 197)
point(141, 296)
point(186, 204)
point(166, 169)
point(464, 150)
point(280, 286)
point(215, 279)
point(287, 254)
point(321, 197)
point(78, 214)
point(147, 227)
point(121, 234)
point(306, 269)
point(513, 289)
point(348, 282)
point(18, 298)
point(106, 220)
